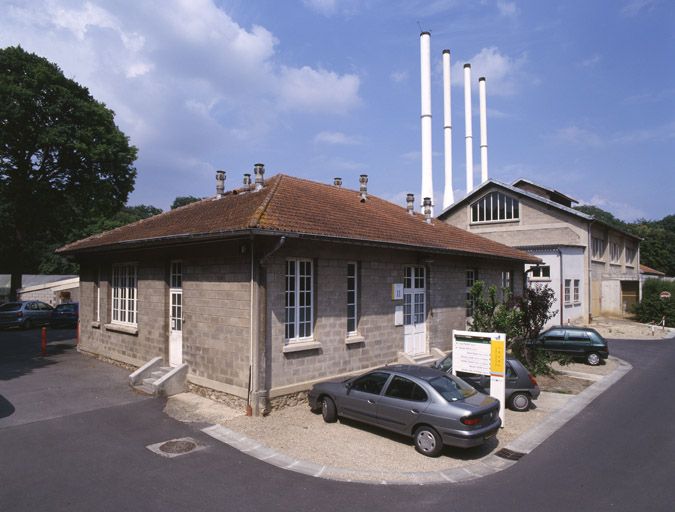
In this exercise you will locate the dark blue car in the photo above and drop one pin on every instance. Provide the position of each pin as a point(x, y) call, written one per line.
point(66, 315)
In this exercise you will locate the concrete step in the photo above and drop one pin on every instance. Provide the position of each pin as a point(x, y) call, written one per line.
point(148, 390)
point(158, 374)
point(426, 360)
point(149, 381)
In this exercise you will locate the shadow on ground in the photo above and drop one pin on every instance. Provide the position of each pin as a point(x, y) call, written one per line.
point(20, 351)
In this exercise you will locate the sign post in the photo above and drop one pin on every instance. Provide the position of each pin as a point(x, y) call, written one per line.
point(483, 353)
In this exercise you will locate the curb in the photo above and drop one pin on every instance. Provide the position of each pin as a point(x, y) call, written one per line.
point(488, 465)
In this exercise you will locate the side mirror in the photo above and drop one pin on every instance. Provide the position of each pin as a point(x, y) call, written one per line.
point(348, 385)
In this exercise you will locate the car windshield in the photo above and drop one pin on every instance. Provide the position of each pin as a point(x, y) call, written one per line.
point(451, 388)
point(11, 306)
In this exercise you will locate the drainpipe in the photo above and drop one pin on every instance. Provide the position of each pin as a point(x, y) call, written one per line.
point(562, 283)
point(255, 363)
point(589, 274)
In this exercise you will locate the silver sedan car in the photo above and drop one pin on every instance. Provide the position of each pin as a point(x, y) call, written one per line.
point(432, 407)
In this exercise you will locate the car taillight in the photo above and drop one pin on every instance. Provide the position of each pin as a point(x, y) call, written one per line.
point(19, 314)
point(532, 379)
point(470, 420)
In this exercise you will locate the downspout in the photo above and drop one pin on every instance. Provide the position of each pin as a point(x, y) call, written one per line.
point(562, 297)
point(254, 362)
point(589, 274)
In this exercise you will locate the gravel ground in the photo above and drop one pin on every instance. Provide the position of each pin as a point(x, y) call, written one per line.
point(623, 328)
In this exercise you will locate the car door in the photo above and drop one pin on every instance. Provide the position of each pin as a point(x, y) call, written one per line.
point(553, 340)
point(362, 396)
point(45, 312)
point(578, 343)
point(401, 405)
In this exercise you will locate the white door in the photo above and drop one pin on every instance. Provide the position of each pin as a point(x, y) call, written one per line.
point(176, 314)
point(414, 311)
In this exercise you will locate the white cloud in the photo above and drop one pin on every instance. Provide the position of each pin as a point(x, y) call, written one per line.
point(619, 209)
point(399, 76)
point(318, 90)
point(635, 7)
point(336, 138)
point(325, 7)
point(182, 76)
point(504, 74)
point(591, 61)
point(577, 136)
point(509, 9)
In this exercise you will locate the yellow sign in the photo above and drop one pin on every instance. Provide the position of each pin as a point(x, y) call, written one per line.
point(498, 357)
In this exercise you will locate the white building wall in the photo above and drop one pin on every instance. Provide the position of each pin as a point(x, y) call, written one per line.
point(573, 260)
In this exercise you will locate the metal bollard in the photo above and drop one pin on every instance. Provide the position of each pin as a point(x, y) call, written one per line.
point(44, 341)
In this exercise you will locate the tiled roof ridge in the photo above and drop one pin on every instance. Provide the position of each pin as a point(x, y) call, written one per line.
point(260, 211)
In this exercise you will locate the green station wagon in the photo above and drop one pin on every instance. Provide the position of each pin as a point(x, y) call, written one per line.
point(576, 342)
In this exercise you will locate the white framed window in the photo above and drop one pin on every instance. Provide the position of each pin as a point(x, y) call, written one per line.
point(124, 294)
point(176, 295)
point(614, 252)
point(598, 248)
point(495, 207)
point(471, 278)
point(506, 283)
point(352, 298)
point(299, 300)
point(542, 272)
point(576, 297)
point(97, 304)
point(568, 291)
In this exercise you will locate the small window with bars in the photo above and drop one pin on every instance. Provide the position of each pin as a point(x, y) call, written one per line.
point(352, 298)
point(124, 294)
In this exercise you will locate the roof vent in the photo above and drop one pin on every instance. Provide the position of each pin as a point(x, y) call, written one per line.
point(220, 184)
point(363, 181)
point(247, 180)
point(337, 182)
point(259, 171)
point(410, 199)
point(427, 210)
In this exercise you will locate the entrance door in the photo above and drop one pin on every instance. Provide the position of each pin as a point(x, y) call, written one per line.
point(176, 314)
point(414, 311)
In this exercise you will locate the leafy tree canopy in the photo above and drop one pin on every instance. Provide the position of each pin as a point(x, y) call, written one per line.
point(63, 161)
point(183, 200)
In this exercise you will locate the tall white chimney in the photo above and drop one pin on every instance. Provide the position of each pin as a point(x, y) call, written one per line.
point(483, 131)
point(469, 128)
point(425, 68)
point(448, 197)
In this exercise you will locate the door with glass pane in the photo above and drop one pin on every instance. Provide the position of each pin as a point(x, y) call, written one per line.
point(176, 314)
point(414, 311)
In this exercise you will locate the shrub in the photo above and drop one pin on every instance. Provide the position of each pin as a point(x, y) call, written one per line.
point(652, 308)
point(520, 318)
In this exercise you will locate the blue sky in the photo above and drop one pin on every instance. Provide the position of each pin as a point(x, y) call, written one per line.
point(581, 94)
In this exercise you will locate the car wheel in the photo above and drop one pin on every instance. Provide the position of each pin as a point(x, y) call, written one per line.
point(593, 359)
point(328, 410)
point(520, 402)
point(428, 442)
point(28, 324)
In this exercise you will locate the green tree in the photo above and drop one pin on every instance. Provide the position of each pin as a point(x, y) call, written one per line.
point(63, 161)
point(184, 200)
point(519, 318)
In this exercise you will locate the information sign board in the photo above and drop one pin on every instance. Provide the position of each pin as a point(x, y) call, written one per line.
point(483, 353)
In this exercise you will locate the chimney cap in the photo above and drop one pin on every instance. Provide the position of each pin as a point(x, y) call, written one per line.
point(467, 65)
point(425, 33)
point(446, 51)
point(481, 79)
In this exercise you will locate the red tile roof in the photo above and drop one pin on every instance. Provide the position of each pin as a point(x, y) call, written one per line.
point(648, 270)
point(294, 206)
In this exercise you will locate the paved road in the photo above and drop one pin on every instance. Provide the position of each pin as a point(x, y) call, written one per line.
point(71, 451)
